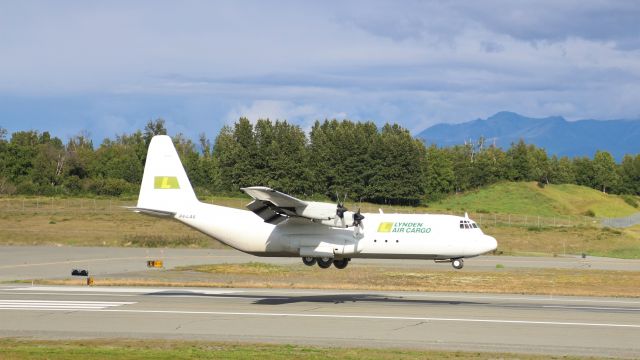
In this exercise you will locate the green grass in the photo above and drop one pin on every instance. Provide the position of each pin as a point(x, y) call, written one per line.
point(169, 349)
point(530, 199)
point(525, 218)
point(506, 198)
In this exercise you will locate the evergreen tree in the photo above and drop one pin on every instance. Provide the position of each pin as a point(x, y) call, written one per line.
point(224, 149)
point(287, 164)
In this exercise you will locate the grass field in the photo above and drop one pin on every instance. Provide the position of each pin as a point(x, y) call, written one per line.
point(502, 280)
point(530, 199)
point(526, 220)
point(15, 349)
point(591, 240)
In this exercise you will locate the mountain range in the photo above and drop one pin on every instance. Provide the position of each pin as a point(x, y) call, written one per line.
point(555, 134)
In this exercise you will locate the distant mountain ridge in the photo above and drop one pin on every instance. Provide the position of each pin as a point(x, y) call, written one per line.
point(557, 135)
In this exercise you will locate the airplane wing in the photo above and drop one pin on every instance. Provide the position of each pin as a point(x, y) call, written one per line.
point(275, 207)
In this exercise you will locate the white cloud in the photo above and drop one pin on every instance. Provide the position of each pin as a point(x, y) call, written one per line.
point(415, 62)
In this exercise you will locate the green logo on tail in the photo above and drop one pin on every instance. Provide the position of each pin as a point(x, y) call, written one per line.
point(166, 182)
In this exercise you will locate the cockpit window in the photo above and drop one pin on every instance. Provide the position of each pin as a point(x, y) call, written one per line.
point(467, 224)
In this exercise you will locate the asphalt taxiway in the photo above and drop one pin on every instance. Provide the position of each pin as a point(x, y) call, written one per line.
point(50, 262)
point(530, 324)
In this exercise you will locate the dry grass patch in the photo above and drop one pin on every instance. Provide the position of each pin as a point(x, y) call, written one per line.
point(116, 228)
point(579, 282)
point(251, 268)
point(622, 243)
point(173, 349)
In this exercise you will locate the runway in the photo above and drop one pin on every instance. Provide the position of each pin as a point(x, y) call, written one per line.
point(51, 262)
point(510, 323)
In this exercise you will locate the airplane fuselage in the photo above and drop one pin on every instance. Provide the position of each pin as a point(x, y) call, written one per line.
point(390, 236)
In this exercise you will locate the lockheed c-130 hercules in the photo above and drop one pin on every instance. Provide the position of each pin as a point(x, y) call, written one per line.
point(280, 225)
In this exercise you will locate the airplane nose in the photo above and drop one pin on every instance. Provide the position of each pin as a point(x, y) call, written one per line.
point(491, 243)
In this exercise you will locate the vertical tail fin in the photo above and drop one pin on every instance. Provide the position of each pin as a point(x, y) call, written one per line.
point(165, 186)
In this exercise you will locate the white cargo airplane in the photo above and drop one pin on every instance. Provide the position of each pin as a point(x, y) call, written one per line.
point(281, 225)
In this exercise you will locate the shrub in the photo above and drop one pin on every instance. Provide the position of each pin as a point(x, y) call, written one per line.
point(6, 187)
point(27, 187)
point(590, 213)
point(630, 200)
point(73, 184)
point(109, 187)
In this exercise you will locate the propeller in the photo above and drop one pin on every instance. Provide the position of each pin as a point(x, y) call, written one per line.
point(340, 209)
point(357, 224)
point(357, 218)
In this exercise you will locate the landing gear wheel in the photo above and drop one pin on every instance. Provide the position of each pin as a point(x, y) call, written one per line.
point(341, 263)
point(457, 263)
point(324, 263)
point(309, 261)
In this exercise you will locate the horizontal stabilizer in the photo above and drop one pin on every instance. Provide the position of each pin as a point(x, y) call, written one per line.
point(152, 212)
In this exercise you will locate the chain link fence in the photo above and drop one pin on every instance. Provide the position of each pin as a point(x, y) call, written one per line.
point(622, 222)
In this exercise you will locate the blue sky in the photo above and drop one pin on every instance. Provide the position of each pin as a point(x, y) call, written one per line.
point(108, 67)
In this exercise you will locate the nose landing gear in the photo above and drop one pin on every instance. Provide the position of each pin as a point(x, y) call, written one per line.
point(457, 263)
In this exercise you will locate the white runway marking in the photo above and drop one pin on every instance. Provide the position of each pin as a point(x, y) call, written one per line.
point(92, 289)
point(338, 316)
point(59, 305)
point(588, 308)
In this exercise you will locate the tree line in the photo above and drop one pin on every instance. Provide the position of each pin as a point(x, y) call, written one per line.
point(357, 159)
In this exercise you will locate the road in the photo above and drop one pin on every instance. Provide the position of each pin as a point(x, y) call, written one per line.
point(47, 262)
point(524, 324)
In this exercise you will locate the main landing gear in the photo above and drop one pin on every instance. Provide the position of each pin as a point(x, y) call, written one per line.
point(309, 261)
point(326, 262)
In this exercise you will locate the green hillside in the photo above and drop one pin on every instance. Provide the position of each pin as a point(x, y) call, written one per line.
point(530, 199)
